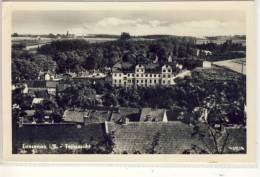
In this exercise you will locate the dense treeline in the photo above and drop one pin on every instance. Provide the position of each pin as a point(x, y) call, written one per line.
point(224, 99)
point(26, 66)
point(76, 55)
point(227, 50)
point(62, 56)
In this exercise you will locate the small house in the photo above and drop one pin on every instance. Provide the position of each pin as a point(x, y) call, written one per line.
point(153, 115)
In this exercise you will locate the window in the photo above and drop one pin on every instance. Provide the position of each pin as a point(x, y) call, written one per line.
point(145, 80)
point(163, 75)
point(133, 75)
point(164, 71)
point(137, 70)
point(115, 74)
point(128, 75)
point(142, 81)
point(146, 75)
point(169, 70)
point(119, 81)
point(150, 81)
point(151, 75)
point(142, 75)
point(137, 75)
point(129, 81)
point(137, 81)
point(115, 81)
point(119, 75)
point(142, 70)
point(163, 81)
point(169, 76)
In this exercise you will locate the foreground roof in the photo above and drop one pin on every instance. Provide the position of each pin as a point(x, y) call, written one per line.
point(173, 138)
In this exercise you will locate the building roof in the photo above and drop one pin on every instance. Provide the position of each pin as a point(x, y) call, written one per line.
point(100, 115)
point(30, 113)
point(237, 65)
point(132, 114)
point(37, 100)
point(51, 84)
point(75, 115)
point(173, 138)
point(151, 114)
point(42, 84)
point(36, 84)
point(149, 67)
point(95, 116)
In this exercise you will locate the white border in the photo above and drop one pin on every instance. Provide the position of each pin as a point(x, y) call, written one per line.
point(27, 170)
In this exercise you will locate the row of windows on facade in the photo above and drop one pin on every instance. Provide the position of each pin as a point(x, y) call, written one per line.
point(143, 81)
point(164, 70)
point(141, 75)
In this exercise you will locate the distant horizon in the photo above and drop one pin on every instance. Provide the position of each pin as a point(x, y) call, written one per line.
point(88, 34)
point(196, 23)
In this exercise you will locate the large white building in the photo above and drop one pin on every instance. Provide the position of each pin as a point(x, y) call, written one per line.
point(139, 77)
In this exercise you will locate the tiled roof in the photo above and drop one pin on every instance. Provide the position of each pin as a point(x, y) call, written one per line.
point(51, 84)
point(30, 113)
point(94, 116)
point(132, 113)
point(150, 114)
point(173, 137)
point(100, 116)
point(37, 100)
point(36, 84)
point(74, 115)
point(42, 84)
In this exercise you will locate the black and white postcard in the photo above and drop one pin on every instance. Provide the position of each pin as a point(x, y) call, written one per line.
point(129, 81)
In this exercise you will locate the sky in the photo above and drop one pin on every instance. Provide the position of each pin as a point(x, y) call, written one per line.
point(183, 23)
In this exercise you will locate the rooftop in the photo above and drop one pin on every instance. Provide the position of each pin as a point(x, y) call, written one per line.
point(151, 114)
point(173, 138)
point(237, 65)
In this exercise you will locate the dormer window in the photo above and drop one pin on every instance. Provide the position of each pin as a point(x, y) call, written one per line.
point(164, 70)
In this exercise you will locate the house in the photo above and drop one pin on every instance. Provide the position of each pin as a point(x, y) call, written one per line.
point(22, 86)
point(125, 114)
point(29, 118)
point(203, 52)
point(46, 76)
point(153, 115)
point(85, 117)
point(42, 85)
point(37, 101)
point(170, 59)
point(206, 64)
point(51, 87)
point(143, 75)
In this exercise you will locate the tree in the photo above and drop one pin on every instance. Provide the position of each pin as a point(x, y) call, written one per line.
point(39, 113)
point(44, 62)
point(109, 100)
point(28, 70)
point(125, 36)
point(51, 35)
point(15, 35)
point(56, 116)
